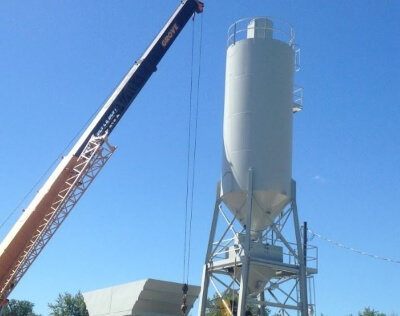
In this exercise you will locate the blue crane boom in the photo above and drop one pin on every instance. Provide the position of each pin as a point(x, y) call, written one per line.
point(141, 71)
point(76, 171)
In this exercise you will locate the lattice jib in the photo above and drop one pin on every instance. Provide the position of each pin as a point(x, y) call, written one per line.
point(90, 162)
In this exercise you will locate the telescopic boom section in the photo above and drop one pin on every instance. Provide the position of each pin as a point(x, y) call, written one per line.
point(77, 170)
point(141, 71)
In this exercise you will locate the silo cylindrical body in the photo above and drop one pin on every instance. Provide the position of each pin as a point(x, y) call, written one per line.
point(257, 129)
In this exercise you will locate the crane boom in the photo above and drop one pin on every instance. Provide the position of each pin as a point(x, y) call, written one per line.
point(77, 170)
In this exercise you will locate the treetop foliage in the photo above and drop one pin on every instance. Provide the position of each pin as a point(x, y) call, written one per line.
point(370, 312)
point(19, 308)
point(69, 305)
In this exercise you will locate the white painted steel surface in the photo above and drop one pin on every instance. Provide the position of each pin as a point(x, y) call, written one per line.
point(257, 129)
point(147, 297)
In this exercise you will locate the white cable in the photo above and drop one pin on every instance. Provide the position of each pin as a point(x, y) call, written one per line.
point(364, 253)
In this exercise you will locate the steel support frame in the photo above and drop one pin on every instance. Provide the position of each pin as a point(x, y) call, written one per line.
point(92, 159)
point(286, 294)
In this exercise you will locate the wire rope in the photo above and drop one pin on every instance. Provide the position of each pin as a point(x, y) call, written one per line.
point(189, 137)
point(195, 147)
point(360, 252)
point(191, 154)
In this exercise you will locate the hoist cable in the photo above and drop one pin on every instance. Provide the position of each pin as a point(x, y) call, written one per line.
point(195, 147)
point(189, 133)
point(191, 154)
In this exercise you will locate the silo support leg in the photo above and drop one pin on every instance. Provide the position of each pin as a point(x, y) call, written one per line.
point(204, 291)
point(244, 280)
point(206, 274)
point(301, 259)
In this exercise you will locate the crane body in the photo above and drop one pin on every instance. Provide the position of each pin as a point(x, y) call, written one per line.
point(79, 167)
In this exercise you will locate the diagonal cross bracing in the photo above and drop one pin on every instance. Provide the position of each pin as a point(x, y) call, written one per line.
point(87, 166)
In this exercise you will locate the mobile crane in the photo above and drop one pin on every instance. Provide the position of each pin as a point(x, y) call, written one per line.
point(76, 171)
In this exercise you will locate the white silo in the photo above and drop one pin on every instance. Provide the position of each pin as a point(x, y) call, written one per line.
point(250, 260)
point(257, 129)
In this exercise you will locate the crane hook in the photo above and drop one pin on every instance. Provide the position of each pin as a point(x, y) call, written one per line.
point(185, 289)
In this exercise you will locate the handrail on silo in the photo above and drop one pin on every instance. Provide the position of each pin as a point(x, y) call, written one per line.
point(234, 35)
point(312, 256)
point(296, 50)
point(297, 99)
point(283, 30)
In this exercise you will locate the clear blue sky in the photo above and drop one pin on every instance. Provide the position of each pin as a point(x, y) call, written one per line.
point(60, 60)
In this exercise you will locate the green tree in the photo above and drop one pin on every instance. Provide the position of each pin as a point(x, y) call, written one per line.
point(368, 311)
point(19, 308)
point(69, 305)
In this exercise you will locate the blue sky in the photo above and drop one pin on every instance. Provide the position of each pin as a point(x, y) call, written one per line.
point(59, 62)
